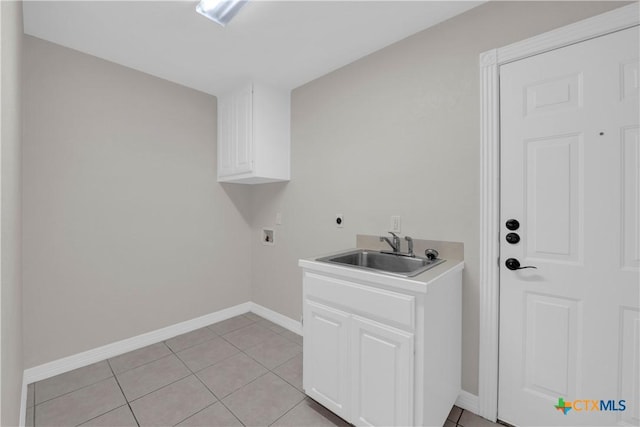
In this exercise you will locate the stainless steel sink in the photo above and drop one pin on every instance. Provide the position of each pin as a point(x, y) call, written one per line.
point(396, 265)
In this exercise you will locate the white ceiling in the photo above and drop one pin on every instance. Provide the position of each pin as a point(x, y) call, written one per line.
point(283, 43)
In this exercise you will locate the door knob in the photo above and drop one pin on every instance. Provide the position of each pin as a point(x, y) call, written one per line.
point(514, 264)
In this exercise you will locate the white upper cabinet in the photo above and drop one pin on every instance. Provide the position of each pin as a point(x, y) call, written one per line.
point(254, 135)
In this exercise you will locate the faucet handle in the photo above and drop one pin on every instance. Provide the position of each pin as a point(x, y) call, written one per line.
point(410, 244)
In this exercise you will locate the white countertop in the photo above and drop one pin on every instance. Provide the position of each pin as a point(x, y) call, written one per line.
point(418, 284)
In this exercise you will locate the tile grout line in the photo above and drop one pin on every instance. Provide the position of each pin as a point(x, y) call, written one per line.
point(160, 388)
point(283, 379)
point(255, 379)
point(142, 364)
point(219, 400)
point(290, 409)
point(153, 391)
point(208, 327)
point(271, 371)
point(105, 413)
point(123, 395)
point(72, 391)
point(208, 389)
point(266, 367)
point(193, 345)
point(171, 352)
point(248, 348)
point(252, 381)
point(201, 410)
point(276, 367)
point(213, 364)
point(148, 363)
point(232, 330)
point(285, 330)
point(459, 418)
point(235, 391)
point(288, 360)
point(218, 335)
point(208, 366)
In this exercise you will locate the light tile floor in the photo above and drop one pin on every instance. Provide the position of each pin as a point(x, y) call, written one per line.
point(242, 371)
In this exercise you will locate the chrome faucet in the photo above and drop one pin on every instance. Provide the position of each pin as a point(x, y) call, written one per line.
point(395, 245)
point(396, 242)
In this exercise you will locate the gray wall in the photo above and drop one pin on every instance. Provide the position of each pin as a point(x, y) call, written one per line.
point(395, 133)
point(11, 360)
point(125, 228)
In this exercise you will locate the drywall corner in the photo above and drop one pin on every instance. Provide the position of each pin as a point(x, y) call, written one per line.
point(11, 360)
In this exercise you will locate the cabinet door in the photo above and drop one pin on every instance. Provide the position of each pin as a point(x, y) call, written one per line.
point(244, 130)
point(382, 374)
point(325, 377)
point(226, 134)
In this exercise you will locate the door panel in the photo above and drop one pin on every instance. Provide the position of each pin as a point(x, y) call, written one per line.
point(551, 345)
point(629, 368)
point(325, 356)
point(554, 95)
point(552, 194)
point(630, 79)
point(383, 374)
point(244, 114)
point(226, 135)
point(630, 233)
point(570, 176)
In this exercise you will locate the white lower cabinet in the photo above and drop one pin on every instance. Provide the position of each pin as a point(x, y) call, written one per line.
point(359, 368)
point(380, 356)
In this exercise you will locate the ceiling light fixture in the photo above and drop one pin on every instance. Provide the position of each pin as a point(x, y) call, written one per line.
point(220, 11)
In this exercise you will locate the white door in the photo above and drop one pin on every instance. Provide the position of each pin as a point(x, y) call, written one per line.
point(325, 374)
point(570, 176)
point(382, 369)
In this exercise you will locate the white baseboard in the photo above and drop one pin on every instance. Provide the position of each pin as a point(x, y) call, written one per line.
point(277, 318)
point(66, 364)
point(47, 370)
point(468, 402)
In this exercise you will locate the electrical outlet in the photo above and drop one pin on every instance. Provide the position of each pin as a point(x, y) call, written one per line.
point(339, 220)
point(395, 224)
